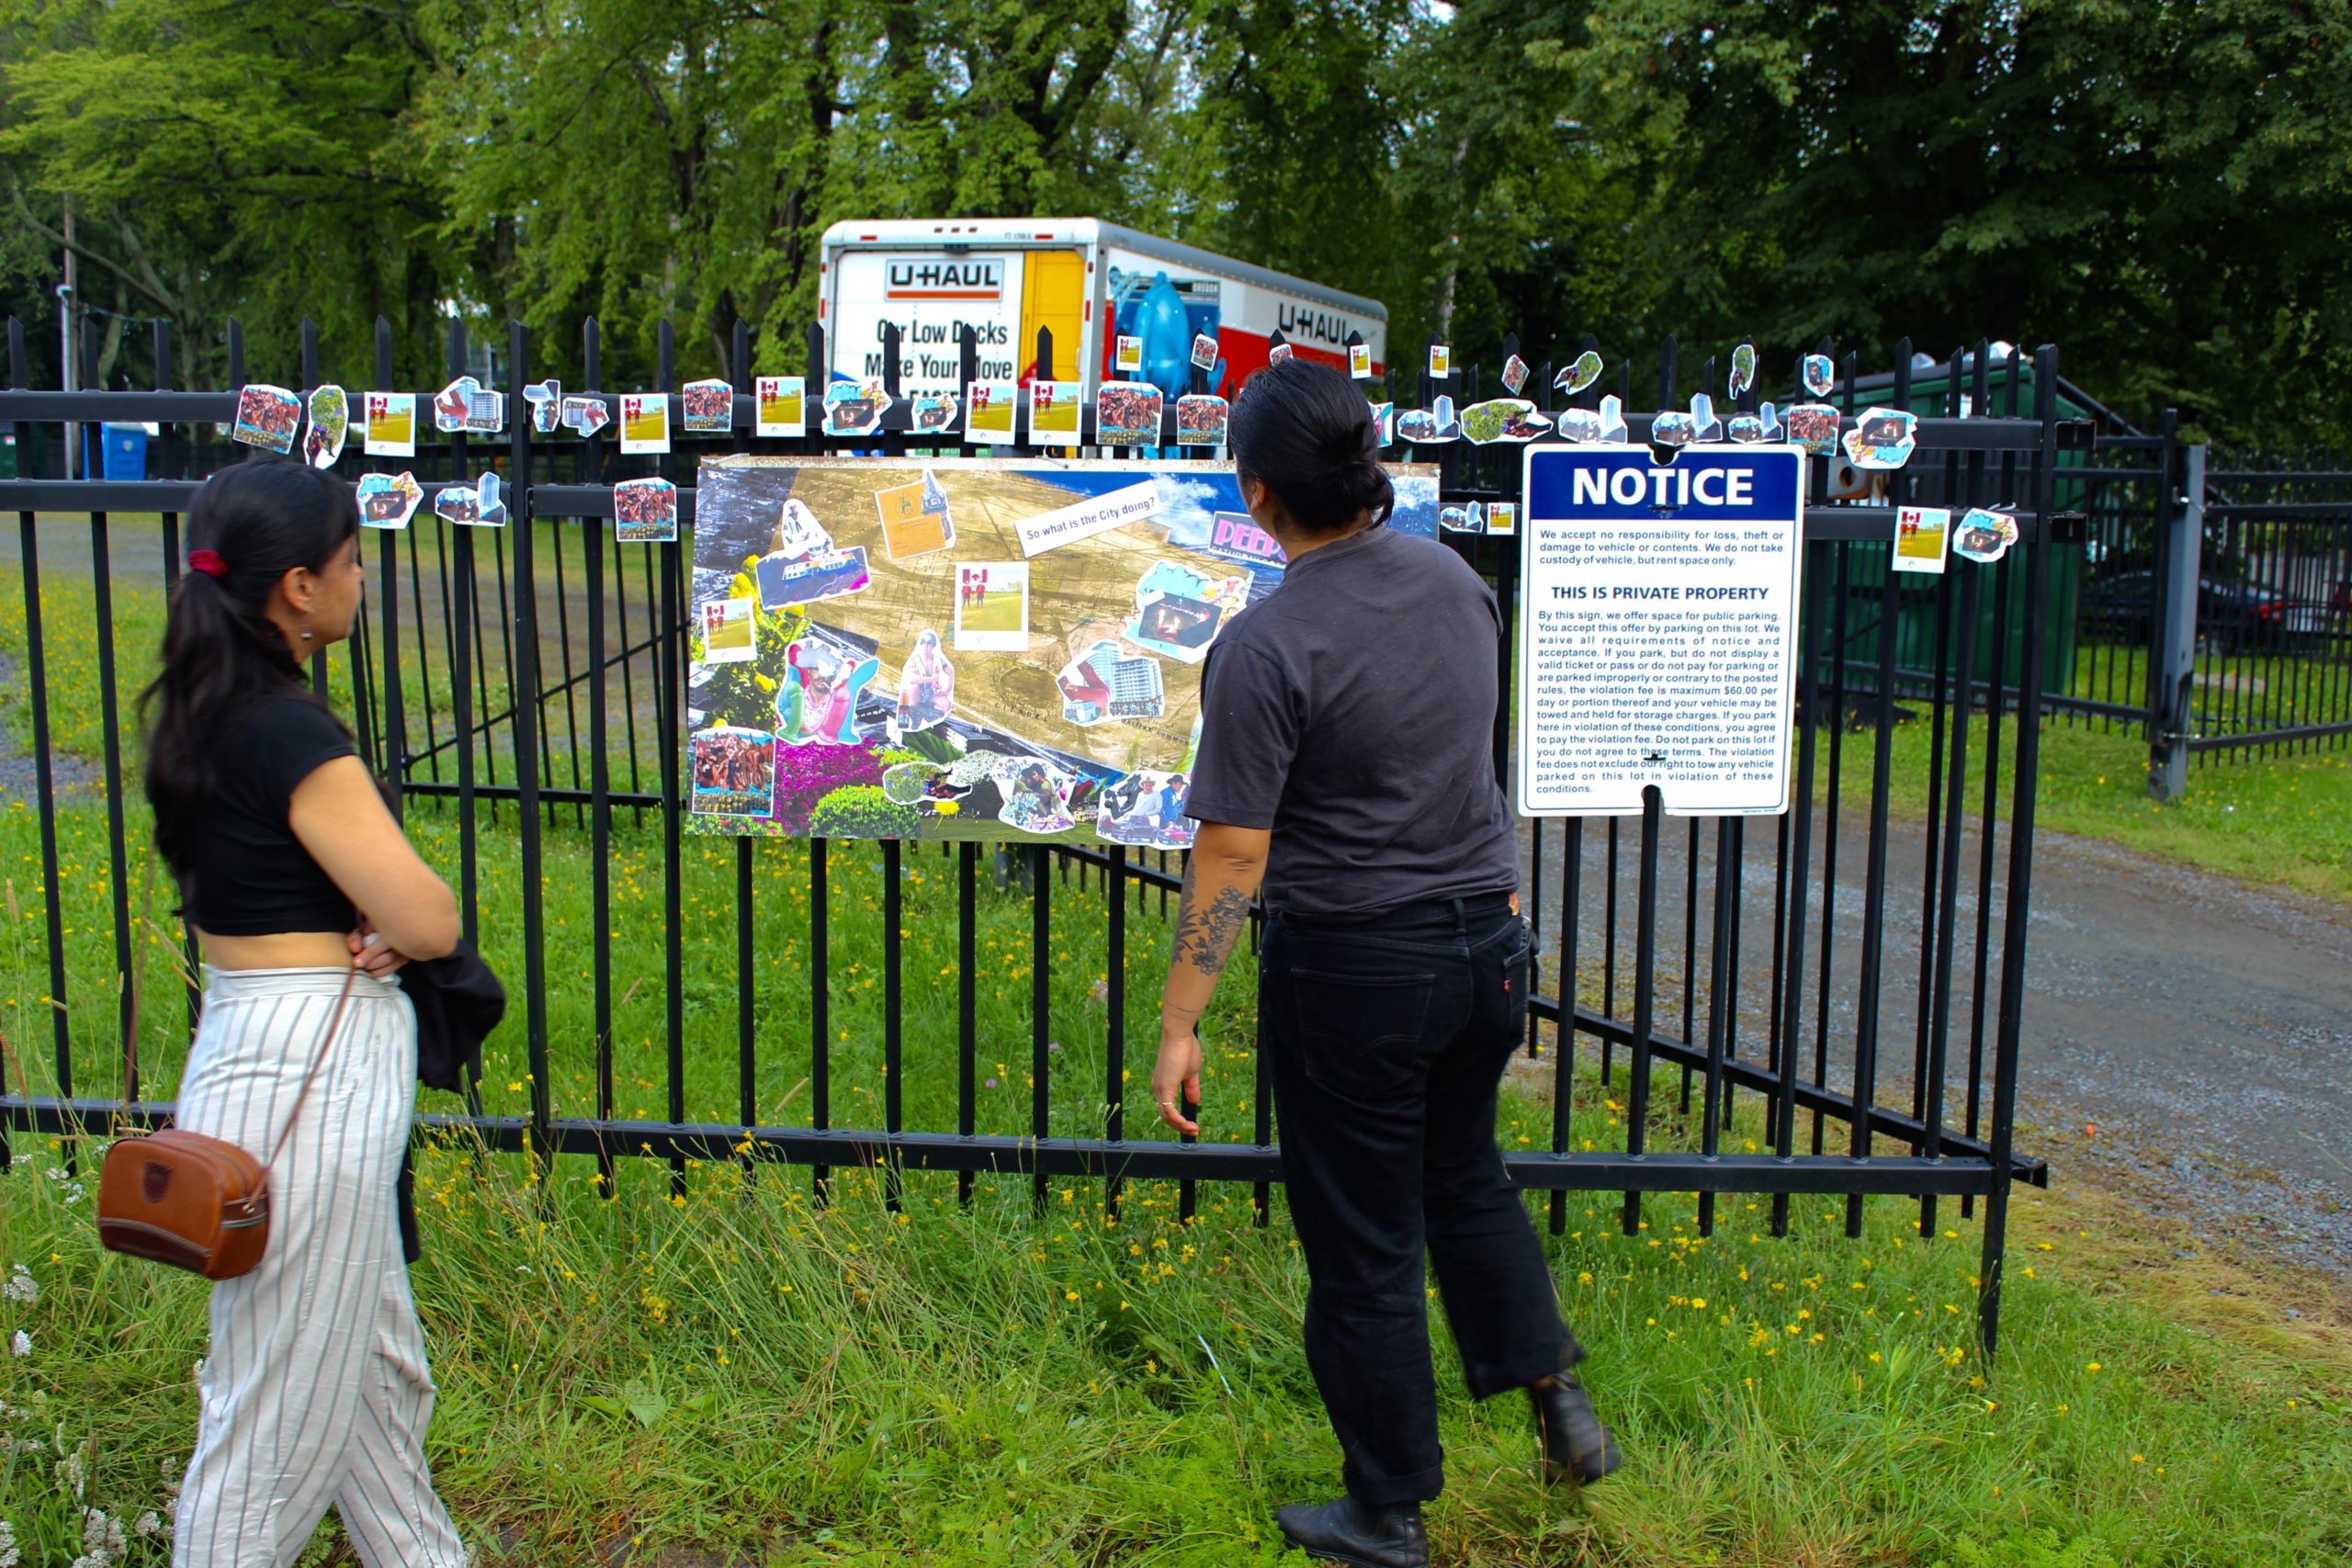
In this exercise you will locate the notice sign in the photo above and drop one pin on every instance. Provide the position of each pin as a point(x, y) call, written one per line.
point(1658, 628)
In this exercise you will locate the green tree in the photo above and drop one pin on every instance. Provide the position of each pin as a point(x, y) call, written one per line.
point(236, 159)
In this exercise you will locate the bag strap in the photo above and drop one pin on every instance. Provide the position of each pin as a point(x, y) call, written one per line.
point(326, 1039)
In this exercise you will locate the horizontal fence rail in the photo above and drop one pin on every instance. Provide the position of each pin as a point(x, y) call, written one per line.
point(1827, 1002)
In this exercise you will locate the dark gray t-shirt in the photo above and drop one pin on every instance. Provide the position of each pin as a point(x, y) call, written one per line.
point(1352, 712)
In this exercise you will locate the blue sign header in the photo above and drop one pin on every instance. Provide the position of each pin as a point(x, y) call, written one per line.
point(1720, 483)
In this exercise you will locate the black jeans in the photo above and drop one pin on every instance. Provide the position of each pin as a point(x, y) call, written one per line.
point(1387, 1040)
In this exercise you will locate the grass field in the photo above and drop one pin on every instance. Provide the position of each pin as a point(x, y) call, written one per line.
point(733, 1374)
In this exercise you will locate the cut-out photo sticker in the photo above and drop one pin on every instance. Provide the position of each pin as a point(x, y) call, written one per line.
point(1053, 413)
point(989, 408)
point(1128, 356)
point(330, 425)
point(781, 405)
point(733, 770)
point(1201, 420)
point(389, 501)
point(1360, 361)
point(1204, 350)
point(464, 405)
point(926, 685)
point(544, 399)
point(930, 789)
point(1743, 371)
point(855, 407)
point(1106, 683)
point(1278, 353)
point(787, 580)
point(914, 519)
point(1819, 373)
point(645, 422)
point(1672, 427)
point(1234, 536)
point(1469, 517)
point(798, 531)
point(1037, 794)
point(1514, 375)
point(1813, 426)
point(1745, 427)
point(1384, 423)
point(479, 505)
point(1581, 425)
point(992, 608)
point(645, 512)
point(1178, 611)
point(1441, 359)
point(816, 703)
point(1882, 438)
point(1612, 418)
point(1580, 372)
point(1984, 535)
point(931, 413)
point(1126, 413)
point(730, 631)
point(1146, 810)
point(489, 503)
point(1503, 419)
point(1429, 426)
point(585, 416)
point(708, 407)
point(390, 427)
point(1502, 517)
point(1919, 536)
point(268, 417)
point(1771, 419)
point(1704, 425)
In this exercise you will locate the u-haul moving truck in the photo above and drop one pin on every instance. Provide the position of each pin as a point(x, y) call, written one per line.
point(1087, 281)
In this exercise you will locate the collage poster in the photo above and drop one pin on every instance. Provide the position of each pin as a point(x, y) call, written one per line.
point(965, 648)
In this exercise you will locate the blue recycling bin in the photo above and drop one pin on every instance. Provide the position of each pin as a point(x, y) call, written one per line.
point(123, 449)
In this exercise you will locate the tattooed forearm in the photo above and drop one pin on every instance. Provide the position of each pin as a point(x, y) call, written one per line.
point(1221, 877)
point(1205, 937)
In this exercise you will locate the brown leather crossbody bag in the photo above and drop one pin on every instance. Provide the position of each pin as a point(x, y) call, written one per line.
point(197, 1202)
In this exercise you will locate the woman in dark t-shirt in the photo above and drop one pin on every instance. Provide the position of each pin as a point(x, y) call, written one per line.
point(294, 875)
point(1345, 767)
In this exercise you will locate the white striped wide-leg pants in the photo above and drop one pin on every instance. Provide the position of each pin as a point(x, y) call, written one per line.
point(315, 1391)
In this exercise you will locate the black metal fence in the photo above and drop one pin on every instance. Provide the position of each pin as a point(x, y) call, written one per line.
point(1840, 989)
point(2213, 610)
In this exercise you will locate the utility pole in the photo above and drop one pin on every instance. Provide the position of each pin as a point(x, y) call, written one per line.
point(66, 300)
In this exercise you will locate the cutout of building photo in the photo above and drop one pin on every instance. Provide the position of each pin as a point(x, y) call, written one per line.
point(1107, 683)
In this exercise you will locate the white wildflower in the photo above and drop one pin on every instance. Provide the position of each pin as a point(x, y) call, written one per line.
point(150, 1522)
point(102, 1540)
point(22, 1345)
point(9, 1554)
point(70, 1471)
point(21, 1286)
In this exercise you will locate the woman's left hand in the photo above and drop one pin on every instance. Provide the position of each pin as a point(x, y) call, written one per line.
point(1176, 1079)
point(371, 953)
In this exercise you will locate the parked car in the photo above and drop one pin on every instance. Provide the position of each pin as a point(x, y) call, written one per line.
point(2231, 614)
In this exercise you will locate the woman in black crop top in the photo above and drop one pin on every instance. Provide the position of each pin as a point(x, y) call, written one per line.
point(293, 874)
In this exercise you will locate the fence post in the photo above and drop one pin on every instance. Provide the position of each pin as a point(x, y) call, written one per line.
point(2176, 632)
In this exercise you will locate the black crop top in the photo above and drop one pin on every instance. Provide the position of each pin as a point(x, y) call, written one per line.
point(251, 876)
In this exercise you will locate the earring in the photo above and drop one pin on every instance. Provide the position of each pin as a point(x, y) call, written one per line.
point(306, 631)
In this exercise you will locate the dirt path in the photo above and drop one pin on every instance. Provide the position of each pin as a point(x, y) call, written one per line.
point(2200, 1028)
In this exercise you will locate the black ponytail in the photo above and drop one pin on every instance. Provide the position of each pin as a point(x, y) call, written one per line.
point(1304, 431)
point(221, 653)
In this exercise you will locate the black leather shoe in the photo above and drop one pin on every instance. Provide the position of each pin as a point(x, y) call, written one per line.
point(1349, 1531)
point(1576, 1445)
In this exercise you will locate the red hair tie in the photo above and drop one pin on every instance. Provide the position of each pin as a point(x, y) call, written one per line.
point(208, 562)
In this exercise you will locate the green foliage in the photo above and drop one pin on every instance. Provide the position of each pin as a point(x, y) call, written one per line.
point(2029, 1548)
point(2158, 186)
point(863, 811)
